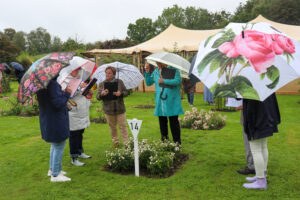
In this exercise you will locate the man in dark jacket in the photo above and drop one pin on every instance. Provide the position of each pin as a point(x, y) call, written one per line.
point(260, 121)
point(54, 124)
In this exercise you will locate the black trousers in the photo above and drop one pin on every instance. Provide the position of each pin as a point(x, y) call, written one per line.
point(75, 142)
point(174, 125)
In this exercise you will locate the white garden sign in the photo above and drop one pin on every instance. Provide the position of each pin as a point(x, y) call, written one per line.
point(135, 126)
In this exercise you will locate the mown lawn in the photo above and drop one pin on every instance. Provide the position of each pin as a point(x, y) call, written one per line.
point(210, 173)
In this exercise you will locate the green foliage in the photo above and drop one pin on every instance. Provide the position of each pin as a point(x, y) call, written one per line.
point(14, 108)
point(141, 31)
point(5, 83)
point(39, 41)
point(117, 57)
point(116, 44)
point(156, 157)
point(8, 51)
point(202, 120)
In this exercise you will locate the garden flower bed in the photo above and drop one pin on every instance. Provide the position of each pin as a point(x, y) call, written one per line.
point(157, 159)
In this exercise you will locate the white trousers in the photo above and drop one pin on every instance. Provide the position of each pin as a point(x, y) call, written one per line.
point(260, 154)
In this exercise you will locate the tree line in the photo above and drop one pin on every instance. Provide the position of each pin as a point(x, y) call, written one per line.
point(39, 41)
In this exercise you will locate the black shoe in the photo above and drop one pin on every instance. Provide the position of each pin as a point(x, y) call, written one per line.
point(246, 171)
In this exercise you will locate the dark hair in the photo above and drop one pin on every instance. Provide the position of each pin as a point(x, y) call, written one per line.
point(112, 69)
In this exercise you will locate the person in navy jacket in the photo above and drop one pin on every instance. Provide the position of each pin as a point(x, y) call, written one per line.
point(54, 124)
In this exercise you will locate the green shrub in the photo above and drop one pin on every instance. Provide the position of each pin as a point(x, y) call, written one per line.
point(202, 120)
point(156, 158)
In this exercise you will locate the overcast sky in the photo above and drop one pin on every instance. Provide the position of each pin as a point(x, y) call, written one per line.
point(92, 20)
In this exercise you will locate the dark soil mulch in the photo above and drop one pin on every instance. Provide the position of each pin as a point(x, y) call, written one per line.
point(144, 106)
point(99, 121)
point(181, 159)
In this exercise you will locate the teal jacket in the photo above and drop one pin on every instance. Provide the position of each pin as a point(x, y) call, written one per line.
point(172, 105)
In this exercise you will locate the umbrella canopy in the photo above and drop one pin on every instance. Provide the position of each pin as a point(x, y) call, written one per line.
point(7, 69)
point(88, 68)
point(129, 74)
point(17, 66)
point(170, 59)
point(248, 61)
point(40, 73)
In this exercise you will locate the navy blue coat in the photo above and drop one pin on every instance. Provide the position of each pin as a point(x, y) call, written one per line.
point(54, 117)
point(261, 118)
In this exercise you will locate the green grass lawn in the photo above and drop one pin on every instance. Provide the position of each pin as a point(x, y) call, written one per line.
point(210, 173)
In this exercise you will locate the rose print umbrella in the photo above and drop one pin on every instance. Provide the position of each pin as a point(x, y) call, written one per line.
point(248, 61)
point(40, 73)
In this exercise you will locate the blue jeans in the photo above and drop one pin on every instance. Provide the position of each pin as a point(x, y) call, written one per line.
point(190, 98)
point(56, 154)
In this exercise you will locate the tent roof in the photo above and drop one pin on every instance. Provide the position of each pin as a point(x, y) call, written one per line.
point(179, 39)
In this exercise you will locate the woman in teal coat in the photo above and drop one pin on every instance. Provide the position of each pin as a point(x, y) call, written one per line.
point(167, 100)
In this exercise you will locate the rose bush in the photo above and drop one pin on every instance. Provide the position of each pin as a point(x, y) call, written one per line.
point(202, 120)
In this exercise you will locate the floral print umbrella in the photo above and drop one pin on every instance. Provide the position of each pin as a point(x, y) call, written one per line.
point(40, 73)
point(249, 61)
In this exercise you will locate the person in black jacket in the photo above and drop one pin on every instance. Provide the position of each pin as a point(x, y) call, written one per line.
point(260, 121)
point(54, 124)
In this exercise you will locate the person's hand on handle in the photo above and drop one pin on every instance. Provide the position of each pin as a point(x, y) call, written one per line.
point(68, 89)
point(104, 92)
point(161, 80)
point(118, 93)
point(147, 67)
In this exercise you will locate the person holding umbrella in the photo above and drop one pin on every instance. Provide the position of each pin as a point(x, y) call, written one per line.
point(54, 124)
point(260, 122)
point(112, 91)
point(40, 79)
point(79, 111)
point(167, 106)
point(19, 70)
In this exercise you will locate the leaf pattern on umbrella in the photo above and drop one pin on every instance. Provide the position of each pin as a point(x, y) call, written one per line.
point(41, 72)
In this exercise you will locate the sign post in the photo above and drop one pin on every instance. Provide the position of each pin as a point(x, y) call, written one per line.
point(135, 126)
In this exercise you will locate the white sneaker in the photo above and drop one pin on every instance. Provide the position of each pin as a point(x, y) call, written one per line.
point(61, 172)
point(76, 162)
point(59, 178)
point(83, 155)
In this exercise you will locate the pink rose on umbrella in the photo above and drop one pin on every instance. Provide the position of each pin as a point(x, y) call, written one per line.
point(47, 70)
point(283, 43)
point(44, 78)
point(40, 72)
point(26, 84)
point(256, 46)
point(32, 76)
point(57, 66)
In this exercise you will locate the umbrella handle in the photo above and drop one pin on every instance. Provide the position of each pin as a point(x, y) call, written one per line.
point(73, 103)
point(163, 98)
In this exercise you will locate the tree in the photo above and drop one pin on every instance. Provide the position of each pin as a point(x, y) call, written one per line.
point(8, 51)
point(39, 41)
point(116, 44)
point(287, 12)
point(19, 40)
point(196, 19)
point(220, 19)
point(174, 15)
point(141, 31)
point(73, 44)
point(56, 44)
point(10, 32)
